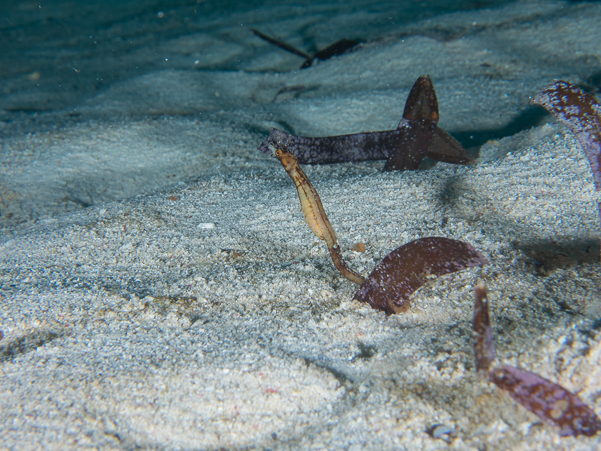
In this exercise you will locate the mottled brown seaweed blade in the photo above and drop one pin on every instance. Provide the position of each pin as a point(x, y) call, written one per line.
point(418, 124)
point(484, 350)
point(443, 147)
point(360, 147)
point(581, 113)
point(550, 402)
point(416, 136)
point(408, 267)
point(332, 149)
point(422, 104)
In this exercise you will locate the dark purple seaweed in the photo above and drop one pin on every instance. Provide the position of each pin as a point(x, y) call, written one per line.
point(408, 267)
point(362, 146)
point(337, 48)
point(419, 121)
point(484, 349)
point(581, 113)
point(281, 44)
point(334, 149)
point(550, 402)
point(416, 136)
point(447, 149)
point(421, 104)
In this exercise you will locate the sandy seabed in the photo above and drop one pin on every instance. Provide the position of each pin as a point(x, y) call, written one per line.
point(161, 289)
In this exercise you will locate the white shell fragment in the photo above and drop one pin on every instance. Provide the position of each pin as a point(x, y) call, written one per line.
point(206, 225)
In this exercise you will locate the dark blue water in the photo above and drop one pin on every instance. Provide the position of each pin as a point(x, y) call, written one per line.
point(56, 54)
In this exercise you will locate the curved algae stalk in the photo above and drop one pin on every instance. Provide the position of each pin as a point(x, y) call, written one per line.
point(315, 214)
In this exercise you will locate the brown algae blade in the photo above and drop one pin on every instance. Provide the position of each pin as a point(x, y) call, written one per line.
point(547, 400)
point(408, 267)
point(419, 118)
point(415, 137)
point(550, 402)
